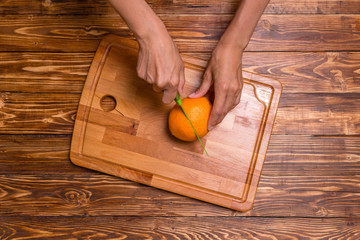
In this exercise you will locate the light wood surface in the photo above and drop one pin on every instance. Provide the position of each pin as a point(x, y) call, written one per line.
point(132, 140)
point(310, 183)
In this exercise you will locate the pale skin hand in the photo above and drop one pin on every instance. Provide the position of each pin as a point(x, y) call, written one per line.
point(160, 64)
point(159, 61)
point(224, 69)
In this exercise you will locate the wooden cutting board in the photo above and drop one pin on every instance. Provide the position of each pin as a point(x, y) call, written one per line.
point(121, 129)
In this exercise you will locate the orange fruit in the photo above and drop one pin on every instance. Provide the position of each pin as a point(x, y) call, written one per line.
point(198, 111)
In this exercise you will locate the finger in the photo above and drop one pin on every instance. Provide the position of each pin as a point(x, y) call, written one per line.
point(169, 95)
point(156, 88)
point(232, 96)
point(141, 67)
point(228, 105)
point(171, 88)
point(181, 80)
point(216, 114)
point(151, 74)
point(204, 87)
point(239, 92)
point(237, 100)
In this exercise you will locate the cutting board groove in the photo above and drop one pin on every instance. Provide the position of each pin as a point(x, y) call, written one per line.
point(121, 129)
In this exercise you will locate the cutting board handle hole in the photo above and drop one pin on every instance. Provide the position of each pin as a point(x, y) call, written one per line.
point(108, 103)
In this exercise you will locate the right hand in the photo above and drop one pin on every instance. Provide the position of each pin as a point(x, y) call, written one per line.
point(160, 64)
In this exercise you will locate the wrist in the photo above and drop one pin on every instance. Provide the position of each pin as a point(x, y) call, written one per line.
point(229, 47)
point(151, 31)
point(234, 39)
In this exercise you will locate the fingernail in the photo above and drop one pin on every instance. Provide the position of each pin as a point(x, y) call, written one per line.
point(210, 128)
point(191, 95)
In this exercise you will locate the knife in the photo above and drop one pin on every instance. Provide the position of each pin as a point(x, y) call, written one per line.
point(178, 101)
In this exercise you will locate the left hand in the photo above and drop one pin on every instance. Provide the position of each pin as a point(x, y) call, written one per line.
point(224, 70)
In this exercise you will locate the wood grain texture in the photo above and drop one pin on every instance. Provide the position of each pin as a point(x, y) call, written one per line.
point(43, 72)
point(35, 154)
point(98, 195)
point(314, 72)
point(309, 187)
point(196, 33)
point(318, 114)
point(118, 142)
point(37, 113)
point(309, 155)
point(299, 113)
point(206, 228)
point(287, 155)
point(89, 7)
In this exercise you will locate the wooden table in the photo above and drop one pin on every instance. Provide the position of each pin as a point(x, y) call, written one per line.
point(310, 185)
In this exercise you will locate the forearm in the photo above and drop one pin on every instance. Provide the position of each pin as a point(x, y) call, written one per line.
point(159, 61)
point(241, 28)
point(140, 18)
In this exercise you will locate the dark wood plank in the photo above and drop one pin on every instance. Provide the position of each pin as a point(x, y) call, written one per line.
point(298, 72)
point(308, 155)
point(309, 72)
point(20, 7)
point(44, 72)
point(313, 7)
point(89, 7)
point(303, 113)
point(310, 184)
point(198, 33)
point(178, 228)
point(25, 113)
point(30, 154)
point(299, 33)
point(287, 155)
point(327, 183)
point(99, 195)
point(318, 114)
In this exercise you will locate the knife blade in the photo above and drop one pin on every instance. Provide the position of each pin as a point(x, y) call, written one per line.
point(178, 101)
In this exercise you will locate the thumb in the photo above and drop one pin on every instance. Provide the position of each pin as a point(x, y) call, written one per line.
point(204, 87)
